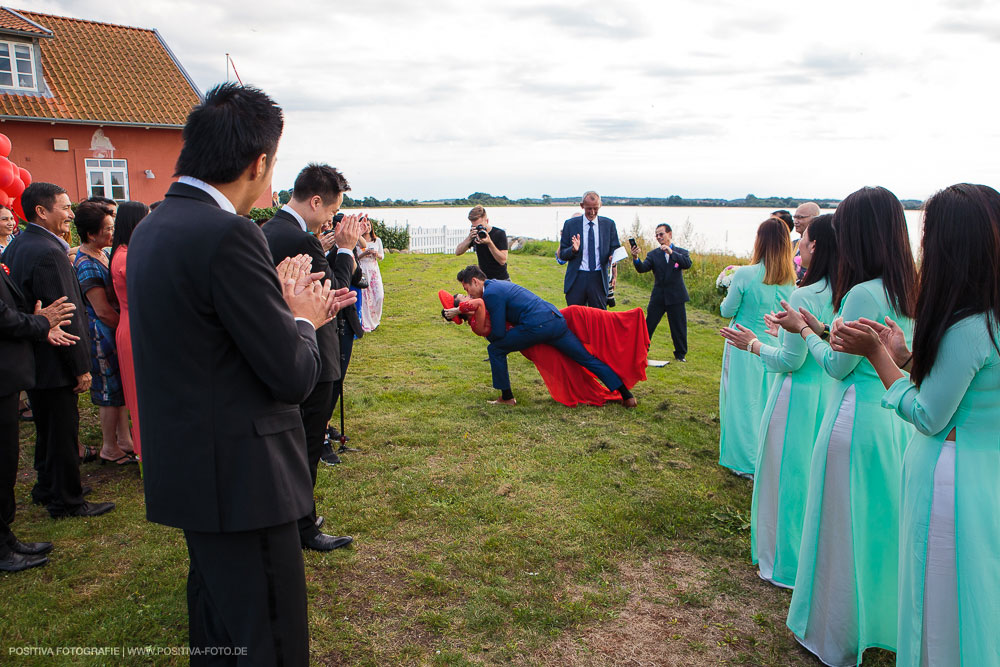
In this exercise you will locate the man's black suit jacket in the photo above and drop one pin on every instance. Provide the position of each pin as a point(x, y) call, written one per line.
point(42, 272)
point(17, 330)
point(668, 277)
point(285, 238)
point(220, 368)
point(348, 318)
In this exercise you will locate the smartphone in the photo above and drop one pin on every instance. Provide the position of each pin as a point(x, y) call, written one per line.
point(631, 242)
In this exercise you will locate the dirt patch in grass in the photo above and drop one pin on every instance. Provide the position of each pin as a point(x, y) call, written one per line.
point(676, 615)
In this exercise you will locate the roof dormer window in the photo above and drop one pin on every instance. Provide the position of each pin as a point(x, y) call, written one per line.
point(17, 66)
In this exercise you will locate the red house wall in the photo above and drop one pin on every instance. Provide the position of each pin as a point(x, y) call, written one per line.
point(153, 149)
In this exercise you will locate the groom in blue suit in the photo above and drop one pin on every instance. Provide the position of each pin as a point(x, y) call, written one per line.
point(535, 321)
point(586, 245)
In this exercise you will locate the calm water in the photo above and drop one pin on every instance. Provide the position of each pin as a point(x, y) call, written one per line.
point(730, 230)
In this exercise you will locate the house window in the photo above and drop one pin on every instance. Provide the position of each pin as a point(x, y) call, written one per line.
point(107, 178)
point(17, 66)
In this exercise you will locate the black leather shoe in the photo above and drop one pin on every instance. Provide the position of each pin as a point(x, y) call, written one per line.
point(86, 509)
point(30, 548)
point(15, 562)
point(324, 542)
point(320, 521)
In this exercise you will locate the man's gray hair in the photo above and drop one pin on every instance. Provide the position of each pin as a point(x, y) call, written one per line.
point(590, 194)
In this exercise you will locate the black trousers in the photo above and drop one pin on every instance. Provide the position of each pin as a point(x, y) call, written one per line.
point(57, 460)
point(316, 410)
point(676, 318)
point(346, 347)
point(10, 450)
point(247, 597)
point(588, 290)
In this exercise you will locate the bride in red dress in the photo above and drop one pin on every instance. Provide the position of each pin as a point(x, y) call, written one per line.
point(618, 339)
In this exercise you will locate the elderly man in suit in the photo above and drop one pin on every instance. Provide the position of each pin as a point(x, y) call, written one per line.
point(667, 262)
point(42, 272)
point(317, 195)
point(587, 243)
point(534, 321)
point(225, 351)
point(18, 330)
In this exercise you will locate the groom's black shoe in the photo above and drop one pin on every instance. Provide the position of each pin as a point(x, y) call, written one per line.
point(324, 542)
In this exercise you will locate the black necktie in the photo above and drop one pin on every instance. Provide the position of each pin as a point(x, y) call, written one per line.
point(592, 247)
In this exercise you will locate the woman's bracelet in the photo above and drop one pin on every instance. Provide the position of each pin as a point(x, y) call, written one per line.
point(908, 360)
point(803, 329)
point(750, 345)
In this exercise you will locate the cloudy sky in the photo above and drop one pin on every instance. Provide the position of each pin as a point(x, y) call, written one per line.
point(710, 98)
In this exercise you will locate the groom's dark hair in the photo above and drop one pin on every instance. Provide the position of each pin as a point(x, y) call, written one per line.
point(470, 272)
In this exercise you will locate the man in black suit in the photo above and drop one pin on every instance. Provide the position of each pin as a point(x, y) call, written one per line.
point(348, 329)
point(225, 350)
point(42, 272)
point(587, 243)
point(317, 196)
point(669, 295)
point(18, 330)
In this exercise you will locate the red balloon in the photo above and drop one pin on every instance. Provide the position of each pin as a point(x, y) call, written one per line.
point(25, 176)
point(18, 210)
point(4, 145)
point(6, 174)
point(16, 188)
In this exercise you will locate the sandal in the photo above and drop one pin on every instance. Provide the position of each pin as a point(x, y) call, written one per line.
point(89, 454)
point(25, 414)
point(123, 460)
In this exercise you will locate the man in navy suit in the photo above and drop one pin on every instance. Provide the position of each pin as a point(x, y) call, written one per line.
point(535, 321)
point(669, 295)
point(586, 245)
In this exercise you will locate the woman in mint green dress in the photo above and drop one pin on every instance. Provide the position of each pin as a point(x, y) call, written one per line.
point(756, 290)
point(845, 586)
point(792, 415)
point(949, 570)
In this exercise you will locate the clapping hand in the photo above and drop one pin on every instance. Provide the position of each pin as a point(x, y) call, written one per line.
point(739, 336)
point(327, 241)
point(348, 231)
point(60, 338)
point(811, 320)
point(298, 270)
point(855, 338)
point(772, 324)
point(576, 242)
point(789, 319)
point(58, 313)
point(892, 338)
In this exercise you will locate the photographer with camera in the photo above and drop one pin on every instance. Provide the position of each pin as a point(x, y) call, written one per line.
point(489, 242)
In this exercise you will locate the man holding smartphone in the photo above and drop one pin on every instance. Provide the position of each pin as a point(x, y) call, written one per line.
point(667, 262)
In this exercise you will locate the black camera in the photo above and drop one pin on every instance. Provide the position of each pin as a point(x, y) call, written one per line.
point(611, 297)
point(481, 232)
point(337, 218)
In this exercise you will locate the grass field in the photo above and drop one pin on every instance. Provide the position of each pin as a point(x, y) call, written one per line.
point(537, 534)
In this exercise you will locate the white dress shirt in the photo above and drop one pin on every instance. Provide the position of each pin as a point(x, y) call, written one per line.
point(585, 246)
point(220, 199)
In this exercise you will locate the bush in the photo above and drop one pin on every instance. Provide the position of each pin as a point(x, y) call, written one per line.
point(392, 237)
point(540, 248)
point(262, 215)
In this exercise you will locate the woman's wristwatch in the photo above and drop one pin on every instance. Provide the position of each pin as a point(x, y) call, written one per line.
point(826, 332)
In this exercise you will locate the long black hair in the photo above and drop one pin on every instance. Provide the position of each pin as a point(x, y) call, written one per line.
point(824, 257)
point(129, 215)
point(873, 243)
point(960, 270)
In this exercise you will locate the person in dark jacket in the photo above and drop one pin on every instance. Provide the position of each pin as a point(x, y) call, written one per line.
point(667, 262)
point(18, 329)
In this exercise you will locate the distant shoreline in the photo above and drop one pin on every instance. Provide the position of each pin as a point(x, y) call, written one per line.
point(908, 204)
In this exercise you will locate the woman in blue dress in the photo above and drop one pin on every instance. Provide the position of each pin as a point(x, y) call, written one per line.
point(845, 586)
point(949, 569)
point(756, 290)
point(96, 226)
point(792, 416)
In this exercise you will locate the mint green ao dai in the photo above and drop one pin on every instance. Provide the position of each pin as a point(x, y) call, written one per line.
point(744, 385)
point(846, 585)
point(788, 429)
point(949, 570)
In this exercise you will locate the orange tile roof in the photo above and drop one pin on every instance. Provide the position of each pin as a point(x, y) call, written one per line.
point(12, 21)
point(102, 73)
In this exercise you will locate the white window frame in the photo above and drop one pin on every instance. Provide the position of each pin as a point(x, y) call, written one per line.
point(105, 167)
point(14, 72)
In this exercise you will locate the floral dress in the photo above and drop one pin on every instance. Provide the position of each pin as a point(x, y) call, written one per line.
point(106, 383)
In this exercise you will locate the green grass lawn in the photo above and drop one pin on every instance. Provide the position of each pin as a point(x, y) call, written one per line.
point(537, 534)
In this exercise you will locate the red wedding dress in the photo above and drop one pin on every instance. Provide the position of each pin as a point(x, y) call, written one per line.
point(618, 339)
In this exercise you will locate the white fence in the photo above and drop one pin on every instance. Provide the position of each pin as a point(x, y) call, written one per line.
point(435, 239)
